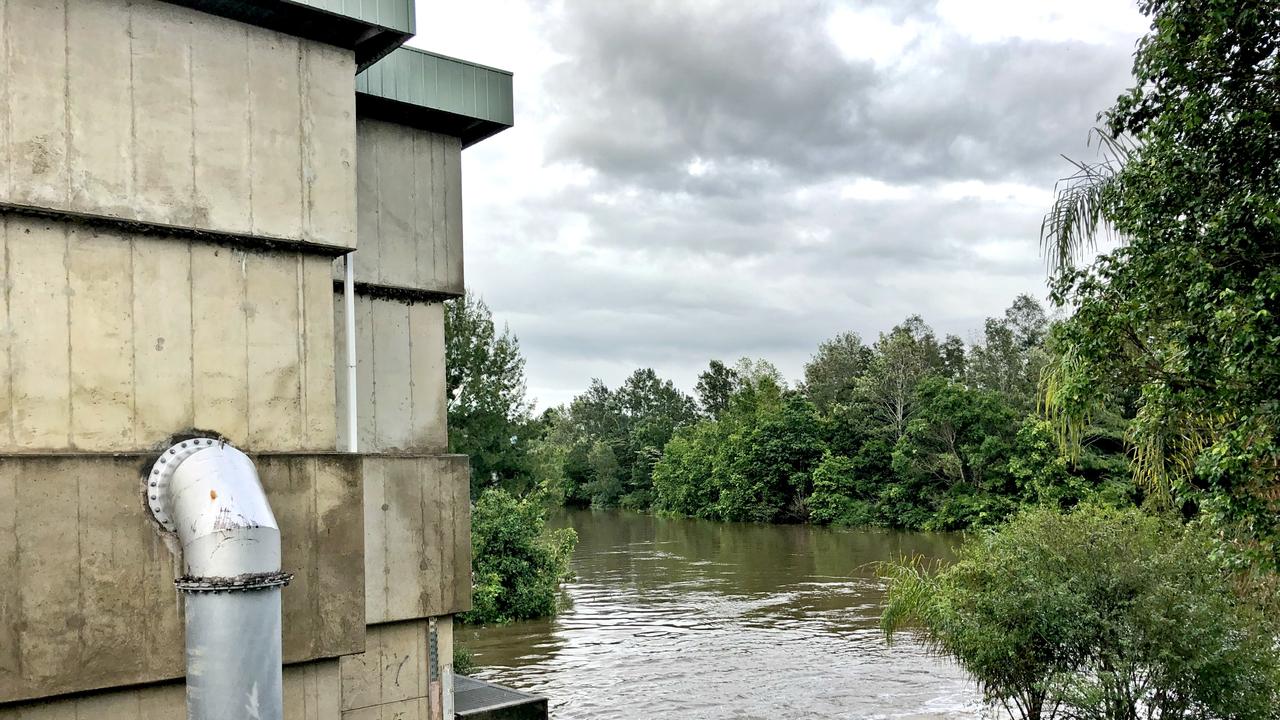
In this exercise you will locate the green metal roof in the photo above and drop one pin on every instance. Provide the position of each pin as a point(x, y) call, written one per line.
point(372, 28)
point(437, 93)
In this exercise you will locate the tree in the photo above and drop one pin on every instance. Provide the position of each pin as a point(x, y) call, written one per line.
point(518, 565)
point(488, 414)
point(1011, 357)
point(715, 386)
point(954, 362)
point(1185, 314)
point(955, 454)
point(831, 376)
point(1095, 614)
point(902, 358)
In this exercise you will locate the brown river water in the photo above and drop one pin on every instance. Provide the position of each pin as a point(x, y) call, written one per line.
point(671, 618)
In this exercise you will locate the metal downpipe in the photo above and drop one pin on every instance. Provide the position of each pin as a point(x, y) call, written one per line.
point(209, 495)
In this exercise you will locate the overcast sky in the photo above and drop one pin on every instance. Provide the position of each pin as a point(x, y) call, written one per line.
point(690, 180)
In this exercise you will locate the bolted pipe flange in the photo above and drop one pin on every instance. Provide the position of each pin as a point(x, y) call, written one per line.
point(240, 583)
point(162, 473)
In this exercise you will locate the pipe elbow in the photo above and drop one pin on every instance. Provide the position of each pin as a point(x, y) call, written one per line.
point(208, 493)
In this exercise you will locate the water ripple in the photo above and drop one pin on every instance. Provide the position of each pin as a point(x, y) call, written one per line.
point(687, 619)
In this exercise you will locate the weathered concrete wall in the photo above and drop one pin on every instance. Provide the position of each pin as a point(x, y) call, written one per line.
point(409, 206)
point(151, 112)
point(114, 341)
point(417, 537)
point(392, 678)
point(400, 375)
point(88, 599)
point(311, 692)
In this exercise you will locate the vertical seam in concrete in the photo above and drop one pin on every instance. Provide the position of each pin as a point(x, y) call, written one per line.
point(306, 162)
point(66, 298)
point(244, 311)
point(195, 190)
point(79, 572)
point(377, 205)
point(66, 114)
point(445, 156)
point(133, 338)
point(304, 219)
point(253, 227)
point(133, 165)
point(9, 333)
point(191, 319)
point(313, 467)
point(414, 230)
point(303, 414)
point(8, 100)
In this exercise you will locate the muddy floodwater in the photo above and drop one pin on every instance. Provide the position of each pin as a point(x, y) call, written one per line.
point(691, 619)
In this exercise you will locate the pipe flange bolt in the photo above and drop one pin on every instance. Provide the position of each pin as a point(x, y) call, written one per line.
point(162, 472)
point(240, 583)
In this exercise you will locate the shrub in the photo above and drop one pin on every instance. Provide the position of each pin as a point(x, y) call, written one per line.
point(1096, 613)
point(517, 564)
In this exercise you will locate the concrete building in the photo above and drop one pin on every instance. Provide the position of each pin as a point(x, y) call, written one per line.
point(181, 184)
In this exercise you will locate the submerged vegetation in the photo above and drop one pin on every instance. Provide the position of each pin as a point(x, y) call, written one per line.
point(516, 562)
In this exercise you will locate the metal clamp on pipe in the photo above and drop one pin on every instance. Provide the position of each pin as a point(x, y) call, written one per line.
point(208, 493)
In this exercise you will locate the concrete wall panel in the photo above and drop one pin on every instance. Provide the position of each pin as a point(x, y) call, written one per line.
point(220, 122)
point(400, 375)
point(163, 154)
point(99, 268)
point(94, 604)
point(318, 341)
point(275, 133)
point(392, 669)
point(427, 382)
point(393, 368)
point(36, 70)
point(398, 223)
point(152, 112)
point(162, 332)
point(275, 328)
point(117, 341)
point(329, 124)
point(417, 544)
point(220, 360)
point(39, 338)
point(409, 208)
point(100, 86)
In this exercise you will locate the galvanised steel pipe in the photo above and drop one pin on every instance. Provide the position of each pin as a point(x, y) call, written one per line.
point(208, 493)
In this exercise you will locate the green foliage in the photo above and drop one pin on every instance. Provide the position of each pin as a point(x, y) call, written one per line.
point(716, 386)
point(517, 563)
point(831, 376)
point(1096, 613)
point(610, 440)
point(487, 411)
point(903, 434)
point(464, 661)
point(1184, 317)
point(834, 500)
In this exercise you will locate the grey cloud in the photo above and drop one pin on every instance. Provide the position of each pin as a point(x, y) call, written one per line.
point(762, 256)
point(750, 85)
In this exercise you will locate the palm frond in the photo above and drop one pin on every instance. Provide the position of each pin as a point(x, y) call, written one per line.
point(1071, 228)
